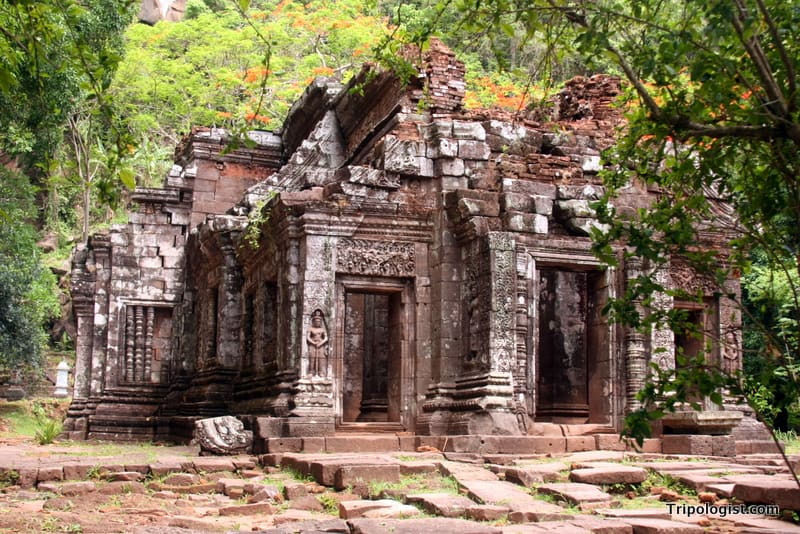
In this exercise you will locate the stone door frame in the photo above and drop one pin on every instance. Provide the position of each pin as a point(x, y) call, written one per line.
point(403, 288)
point(606, 361)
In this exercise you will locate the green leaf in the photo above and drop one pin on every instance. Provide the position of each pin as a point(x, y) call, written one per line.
point(244, 5)
point(127, 177)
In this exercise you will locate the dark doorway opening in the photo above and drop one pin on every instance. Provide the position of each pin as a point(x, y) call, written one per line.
point(572, 363)
point(372, 357)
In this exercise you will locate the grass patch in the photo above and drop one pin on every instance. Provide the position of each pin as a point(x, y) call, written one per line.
point(417, 483)
point(790, 440)
point(655, 480)
point(16, 419)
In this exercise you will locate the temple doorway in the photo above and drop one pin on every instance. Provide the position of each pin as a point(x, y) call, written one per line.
point(572, 359)
point(373, 356)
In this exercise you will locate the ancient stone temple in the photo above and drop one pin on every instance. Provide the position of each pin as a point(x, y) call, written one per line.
point(388, 262)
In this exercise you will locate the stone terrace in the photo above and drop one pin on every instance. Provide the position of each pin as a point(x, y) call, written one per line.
point(171, 490)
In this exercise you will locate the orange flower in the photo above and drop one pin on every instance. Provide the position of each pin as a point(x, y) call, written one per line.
point(255, 74)
point(322, 71)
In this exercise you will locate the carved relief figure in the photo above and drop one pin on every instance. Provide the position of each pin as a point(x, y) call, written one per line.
point(317, 339)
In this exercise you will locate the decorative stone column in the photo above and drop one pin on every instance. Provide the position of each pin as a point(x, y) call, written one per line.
point(76, 423)
point(635, 346)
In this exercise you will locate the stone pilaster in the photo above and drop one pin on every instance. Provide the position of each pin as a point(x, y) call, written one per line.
point(230, 305)
point(635, 347)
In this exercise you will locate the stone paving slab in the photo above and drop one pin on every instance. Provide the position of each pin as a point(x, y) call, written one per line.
point(442, 504)
point(553, 527)
point(661, 526)
point(696, 480)
point(775, 526)
point(783, 492)
point(461, 471)
point(623, 513)
point(576, 526)
point(575, 493)
point(378, 508)
point(535, 473)
point(620, 474)
point(330, 526)
point(523, 507)
point(437, 525)
point(723, 489)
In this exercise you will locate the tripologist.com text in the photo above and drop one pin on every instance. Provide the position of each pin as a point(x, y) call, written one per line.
point(723, 510)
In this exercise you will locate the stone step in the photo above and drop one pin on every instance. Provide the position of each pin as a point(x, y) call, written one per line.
point(520, 446)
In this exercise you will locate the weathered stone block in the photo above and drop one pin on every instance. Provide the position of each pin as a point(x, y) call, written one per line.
point(468, 130)
point(468, 207)
point(580, 443)
point(50, 474)
point(362, 444)
point(723, 446)
point(473, 150)
point(450, 166)
point(686, 444)
point(609, 442)
point(517, 202)
point(347, 475)
point(268, 427)
point(532, 223)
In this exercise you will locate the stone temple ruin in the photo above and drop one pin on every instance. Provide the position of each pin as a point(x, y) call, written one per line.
point(388, 263)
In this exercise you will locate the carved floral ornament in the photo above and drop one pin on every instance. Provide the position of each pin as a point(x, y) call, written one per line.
point(375, 258)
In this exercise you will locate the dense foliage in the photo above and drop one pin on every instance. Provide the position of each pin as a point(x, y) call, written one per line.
point(28, 293)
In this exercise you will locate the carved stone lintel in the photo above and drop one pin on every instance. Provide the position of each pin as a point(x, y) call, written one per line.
point(685, 278)
point(222, 435)
point(375, 258)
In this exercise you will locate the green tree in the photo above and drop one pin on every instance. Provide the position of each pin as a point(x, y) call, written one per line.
point(175, 77)
point(28, 294)
point(54, 54)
